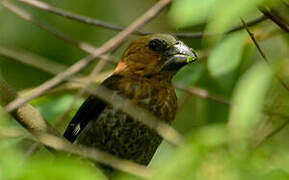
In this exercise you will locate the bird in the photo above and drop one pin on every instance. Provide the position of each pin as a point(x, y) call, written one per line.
point(144, 76)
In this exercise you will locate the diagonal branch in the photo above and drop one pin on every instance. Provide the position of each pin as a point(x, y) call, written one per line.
point(97, 69)
point(32, 60)
point(83, 19)
point(203, 34)
point(263, 54)
point(273, 130)
point(202, 93)
point(276, 18)
point(82, 63)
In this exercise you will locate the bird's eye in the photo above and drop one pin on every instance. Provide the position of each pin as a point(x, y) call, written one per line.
point(156, 45)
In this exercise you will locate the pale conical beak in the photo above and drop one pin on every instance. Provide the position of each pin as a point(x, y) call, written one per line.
point(177, 56)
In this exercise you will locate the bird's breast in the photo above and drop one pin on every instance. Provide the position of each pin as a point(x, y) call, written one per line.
point(159, 99)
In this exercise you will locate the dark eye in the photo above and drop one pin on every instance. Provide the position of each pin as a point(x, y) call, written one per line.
point(157, 45)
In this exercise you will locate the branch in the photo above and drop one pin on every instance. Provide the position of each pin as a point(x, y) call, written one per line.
point(83, 19)
point(97, 69)
point(47, 65)
point(271, 131)
point(202, 93)
point(86, 47)
point(202, 34)
point(82, 63)
point(276, 18)
point(26, 115)
point(13, 132)
point(76, 17)
point(263, 54)
point(33, 60)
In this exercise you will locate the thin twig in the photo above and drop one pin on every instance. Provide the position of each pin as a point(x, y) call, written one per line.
point(274, 131)
point(202, 93)
point(263, 54)
point(13, 132)
point(234, 29)
point(276, 18)
point(32, 149)
point(81, 91)
point(33, 60)
point(73, 84)
point(250, 23)
point(82, 63)
point(259, 36)
point(83, 19)
point(73, 16)
point(97, 69)
point(86, 47)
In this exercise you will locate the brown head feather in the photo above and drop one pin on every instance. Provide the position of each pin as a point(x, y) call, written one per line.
point(139, 59)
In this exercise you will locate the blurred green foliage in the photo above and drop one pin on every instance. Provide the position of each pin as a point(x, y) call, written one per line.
point(223, 67)
point(219, 140)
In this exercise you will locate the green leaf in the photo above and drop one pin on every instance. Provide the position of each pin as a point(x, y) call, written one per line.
point(51, 106)
point(186, 161)
point(275, 112)
point(190, 73)
point(190, 12)
point(11, 160)
point(222, 18)
point(220, 14)
point(248, 98)
point(225, 59)
point(61, 168)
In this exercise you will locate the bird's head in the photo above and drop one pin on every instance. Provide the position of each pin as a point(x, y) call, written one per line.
point(155, 54)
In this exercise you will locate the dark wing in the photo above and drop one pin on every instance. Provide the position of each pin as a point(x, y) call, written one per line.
point(89, 110)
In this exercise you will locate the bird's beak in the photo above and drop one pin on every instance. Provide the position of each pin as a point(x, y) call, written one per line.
point(177, 56)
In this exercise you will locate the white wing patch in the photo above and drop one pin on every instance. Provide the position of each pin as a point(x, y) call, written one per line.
point(76, 129)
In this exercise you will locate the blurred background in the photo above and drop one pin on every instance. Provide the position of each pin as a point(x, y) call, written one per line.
point(233, 110)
